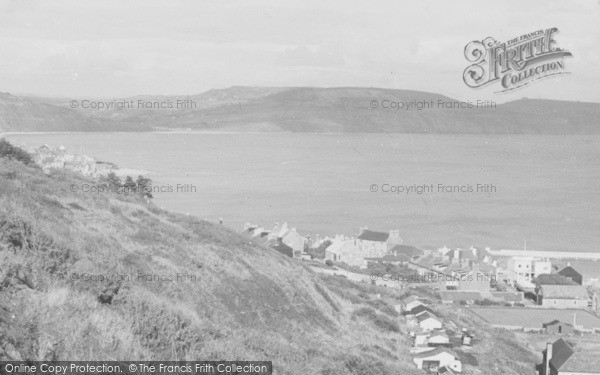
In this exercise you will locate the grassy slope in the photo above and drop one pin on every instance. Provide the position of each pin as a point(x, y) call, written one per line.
point(248, 302)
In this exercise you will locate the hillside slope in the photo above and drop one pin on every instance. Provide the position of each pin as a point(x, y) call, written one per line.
point(111, 277)
point(21, 114)
point(309, 109)
point(108, 276)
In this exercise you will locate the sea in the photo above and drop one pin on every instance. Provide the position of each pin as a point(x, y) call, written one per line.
point(500, 191)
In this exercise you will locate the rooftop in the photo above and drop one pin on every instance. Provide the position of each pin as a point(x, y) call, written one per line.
point(564, 292)
point(369, 235)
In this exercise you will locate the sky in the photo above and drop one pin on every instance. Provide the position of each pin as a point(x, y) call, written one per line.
point(113, 48)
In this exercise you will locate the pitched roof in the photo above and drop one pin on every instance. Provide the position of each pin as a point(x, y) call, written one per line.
point(561, 352)
point(568, 271)
point(418, 309)
point(435, 351)
point(339, 247)
point(409, 251)
point(582, 362)
point(553, 279)
point(409, 299)
point(564, 292)
point(426, 316)
point(370, 235)
point(554, 322)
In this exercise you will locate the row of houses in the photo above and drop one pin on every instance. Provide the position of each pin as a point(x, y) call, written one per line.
point(282, 238)
point(432, 347)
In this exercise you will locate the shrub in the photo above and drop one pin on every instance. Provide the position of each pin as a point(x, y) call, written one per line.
point(9, 151)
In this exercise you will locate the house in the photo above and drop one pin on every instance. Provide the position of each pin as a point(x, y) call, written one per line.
point(282, 248)
point(561, 359)
point(571, 274)
point(410, 303)
point(553, 279)
point(526, 268)
point(294, 240)
point(411, 252)
point(420, 309)
point(378, 242)
point(562, 296)
point(429, 322)
point(345, 250)
point(475, 280)
point(438, 339)
point(559, 327)
point(435, 359)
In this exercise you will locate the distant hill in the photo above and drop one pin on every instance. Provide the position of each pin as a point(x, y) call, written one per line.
point(307, 109)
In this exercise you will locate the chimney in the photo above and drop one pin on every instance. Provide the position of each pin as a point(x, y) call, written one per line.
point(568, 264)
point(574, 319)
point(548, 358)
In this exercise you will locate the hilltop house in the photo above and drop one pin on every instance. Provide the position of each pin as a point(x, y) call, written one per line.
point(561, 359)
point(429, 322)
point(562, 296)
point(571, 274)
point(433, 360)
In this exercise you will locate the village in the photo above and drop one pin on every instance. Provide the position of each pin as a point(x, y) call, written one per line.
point(538, 294)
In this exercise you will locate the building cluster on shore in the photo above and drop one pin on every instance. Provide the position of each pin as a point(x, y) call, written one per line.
point(469, 275)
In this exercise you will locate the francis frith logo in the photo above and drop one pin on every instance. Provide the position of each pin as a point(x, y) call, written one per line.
point(516, 62)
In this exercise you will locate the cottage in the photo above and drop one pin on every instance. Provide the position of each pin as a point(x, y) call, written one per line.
point(428, 322)
point(571, 274)
point(433, 360)
point(411, 252)
point(561, 359)
point(395, 259)
point(438, 339)
point(562, 296)
point(295, 241)
point(410, 303)
point(559, 327)
point(345, 250)
point(380, 242)
point(420, 309)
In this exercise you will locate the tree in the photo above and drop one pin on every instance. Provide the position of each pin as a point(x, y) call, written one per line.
point(113, 181)
point(129, 186)
point(144, 186)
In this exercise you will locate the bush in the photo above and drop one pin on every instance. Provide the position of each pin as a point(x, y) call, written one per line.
point(329, 263)
point(9, 151)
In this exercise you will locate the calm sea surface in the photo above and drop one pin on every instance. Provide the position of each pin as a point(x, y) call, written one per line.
point(546, 189)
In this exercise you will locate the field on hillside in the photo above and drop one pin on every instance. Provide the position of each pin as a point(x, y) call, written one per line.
point(534, 318)
point(546, 186)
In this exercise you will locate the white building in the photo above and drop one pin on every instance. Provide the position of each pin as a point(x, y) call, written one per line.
point(432, 360)
point(428, 322)
point(526, 268)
